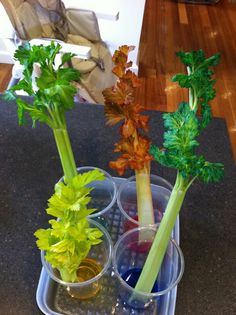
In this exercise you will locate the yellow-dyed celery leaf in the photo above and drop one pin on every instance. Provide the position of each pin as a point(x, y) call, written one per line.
point(70, 238)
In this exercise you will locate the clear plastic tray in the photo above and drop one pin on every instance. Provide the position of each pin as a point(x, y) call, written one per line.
point(52, 299)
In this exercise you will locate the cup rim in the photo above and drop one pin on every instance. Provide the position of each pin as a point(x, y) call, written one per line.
point(96, 214)
point(110, 178)
point(87, 282)
point(122, 186)
point(144, 294)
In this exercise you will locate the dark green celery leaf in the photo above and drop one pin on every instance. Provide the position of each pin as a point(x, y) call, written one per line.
point(211, 172)
point(182, 129)
point(52, 90)
point(21, 85)
point(68, 74)
point(47, 78)
point(183, 80)
point(191, 58)
point(51, 50)
point(62, 92)
point(23, 55)
point(35, 112)
point(66, 57)
point(199, 80)
point(206, 115)
point(21, 112)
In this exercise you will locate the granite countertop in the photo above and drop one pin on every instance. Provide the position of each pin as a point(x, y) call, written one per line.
point(30, 167)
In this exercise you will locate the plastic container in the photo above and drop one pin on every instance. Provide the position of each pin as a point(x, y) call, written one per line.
point(127, 200)
point(129, 256)
point(91, 269)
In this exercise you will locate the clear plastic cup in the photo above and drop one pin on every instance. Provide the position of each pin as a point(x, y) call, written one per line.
point(127, 200)
point(104, 193)
point(91, 270)
point(129, 256)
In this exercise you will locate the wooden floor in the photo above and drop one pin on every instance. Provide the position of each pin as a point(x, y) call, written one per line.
point(168, 27)
point(5, 75)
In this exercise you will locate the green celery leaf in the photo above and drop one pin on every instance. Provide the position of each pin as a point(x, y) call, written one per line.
point(65, 191)
point(55, 212)
point(21, 85)
point(66, 244)
point(23, 55)
point(57, 260)
point(87, 178)
point(212, 172)
point(210, 62)
point(75, 232)
point(58, 228)
point(83, 247)
point(46, 79)
point(68, 74)
point(199, 80)
point(192, 57)
point(21, 112)
point(73, 196)
point(206, 114)
point(66, 57)
point(51, 50)
point(55, 92)
point(36, 113)
point(182, 79)
point(63, 92)
point(59, 203)
point(81, 226)
point(61, 246)
point(180, 143)
point(44, 237)
point(94, 235)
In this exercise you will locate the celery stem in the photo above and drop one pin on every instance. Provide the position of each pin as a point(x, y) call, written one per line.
point(193, 98)
point(65, 153)
point(156, 254)
point(69, 151)
point(144, 196)
point(190, 90)
point(66, 276)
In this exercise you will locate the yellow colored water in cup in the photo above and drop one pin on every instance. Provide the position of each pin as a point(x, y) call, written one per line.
point(88, 269)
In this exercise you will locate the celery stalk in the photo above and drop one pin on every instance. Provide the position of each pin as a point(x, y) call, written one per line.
point(144, 196)
point(153, 262)
point(66, 275)
point(65, 153)
point(183, 127)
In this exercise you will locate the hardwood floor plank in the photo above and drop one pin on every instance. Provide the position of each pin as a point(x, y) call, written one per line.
point(183, 18)
point(5, 76)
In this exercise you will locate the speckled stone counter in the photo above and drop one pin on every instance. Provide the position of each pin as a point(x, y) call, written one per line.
point(29, 168)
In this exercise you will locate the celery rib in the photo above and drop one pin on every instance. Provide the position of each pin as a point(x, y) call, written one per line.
point(65, 153)
point(144, 198)
point(156, 254)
